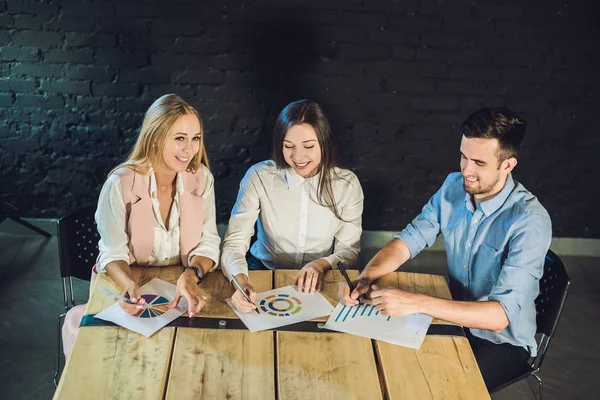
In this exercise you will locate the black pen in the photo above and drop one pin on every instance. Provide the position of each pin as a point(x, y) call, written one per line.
point(241, 289)
point(348, 281)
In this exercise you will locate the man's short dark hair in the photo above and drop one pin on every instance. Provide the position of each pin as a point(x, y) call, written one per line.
point(497, 123)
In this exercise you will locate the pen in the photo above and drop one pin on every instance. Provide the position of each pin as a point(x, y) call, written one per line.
point(241, 289)
point(345, 274)
point(114, 295)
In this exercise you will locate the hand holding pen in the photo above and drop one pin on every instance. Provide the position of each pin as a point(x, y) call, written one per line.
point(244, 298)
point(131, 305)
point(351, 293)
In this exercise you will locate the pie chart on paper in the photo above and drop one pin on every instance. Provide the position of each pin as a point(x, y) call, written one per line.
point(155, 306)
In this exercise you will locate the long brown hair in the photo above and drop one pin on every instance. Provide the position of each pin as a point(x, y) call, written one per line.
point(310, 113)
point(158, 121)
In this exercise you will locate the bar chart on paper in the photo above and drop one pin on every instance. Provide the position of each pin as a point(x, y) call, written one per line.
point(365, 320)
point(368, 310)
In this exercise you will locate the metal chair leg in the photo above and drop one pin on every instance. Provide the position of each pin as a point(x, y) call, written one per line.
point(539, 386)
point(57, 373)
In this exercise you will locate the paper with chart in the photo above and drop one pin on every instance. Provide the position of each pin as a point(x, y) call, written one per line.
point(283, 306)
point(155, 313)
point(365, 320)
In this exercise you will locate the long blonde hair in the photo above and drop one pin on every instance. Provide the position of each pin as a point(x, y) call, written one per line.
point(158, 121)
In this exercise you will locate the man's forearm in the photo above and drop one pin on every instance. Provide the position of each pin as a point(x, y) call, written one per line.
point(387, 260)
point(472, 314)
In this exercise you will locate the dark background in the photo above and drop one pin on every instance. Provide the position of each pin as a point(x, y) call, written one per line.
point(395, 77)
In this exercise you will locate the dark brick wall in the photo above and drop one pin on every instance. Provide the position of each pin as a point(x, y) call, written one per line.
point(396, 78)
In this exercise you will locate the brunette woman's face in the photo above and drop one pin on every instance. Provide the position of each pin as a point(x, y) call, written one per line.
point(301, 150)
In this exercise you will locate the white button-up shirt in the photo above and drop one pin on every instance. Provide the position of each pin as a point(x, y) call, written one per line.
point(293, 228)
point(111, 223)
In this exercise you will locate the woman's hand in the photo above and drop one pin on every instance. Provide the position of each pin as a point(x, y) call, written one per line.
point(238, 299)
point(310, 277)
point(187, 286)
point(132, 291)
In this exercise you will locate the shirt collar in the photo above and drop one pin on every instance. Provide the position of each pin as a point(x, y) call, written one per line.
point(293, 179)
point(490, 206)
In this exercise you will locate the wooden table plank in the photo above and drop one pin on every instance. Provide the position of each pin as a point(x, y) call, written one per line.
point(222, 364)
point(113, 362)
point(330, 284)
point(326, 366)
point(444, 367)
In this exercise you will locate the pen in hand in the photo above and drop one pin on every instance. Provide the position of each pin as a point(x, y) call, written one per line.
point(114, 295)
point(348, 281)
point(239, 287)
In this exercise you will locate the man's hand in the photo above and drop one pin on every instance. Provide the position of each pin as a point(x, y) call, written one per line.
point(361, 286)
point(394, 301)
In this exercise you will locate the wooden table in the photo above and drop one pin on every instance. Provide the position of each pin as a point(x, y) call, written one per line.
point(110, 362)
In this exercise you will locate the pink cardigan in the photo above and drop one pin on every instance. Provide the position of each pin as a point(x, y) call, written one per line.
point(140, 221)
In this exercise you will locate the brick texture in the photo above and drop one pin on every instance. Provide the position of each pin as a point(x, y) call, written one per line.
point(395, 77)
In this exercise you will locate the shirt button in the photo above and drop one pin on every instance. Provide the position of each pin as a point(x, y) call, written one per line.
point(475, 220)
point(465, 285)
point(468, 244)
point(464, 266)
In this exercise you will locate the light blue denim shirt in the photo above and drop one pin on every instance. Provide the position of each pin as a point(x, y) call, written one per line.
point(495, 251)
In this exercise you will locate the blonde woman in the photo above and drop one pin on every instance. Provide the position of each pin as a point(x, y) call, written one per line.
point(158, 209)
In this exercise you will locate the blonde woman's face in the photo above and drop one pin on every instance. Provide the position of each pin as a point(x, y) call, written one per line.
point(301, 150)
point(182, 143)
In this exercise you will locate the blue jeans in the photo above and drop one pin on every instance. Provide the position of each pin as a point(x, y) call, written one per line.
point(254, 264)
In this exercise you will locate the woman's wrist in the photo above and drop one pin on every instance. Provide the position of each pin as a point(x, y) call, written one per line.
point(204, 263)
point(190, 274)
point(323, 264)
point(242, 278)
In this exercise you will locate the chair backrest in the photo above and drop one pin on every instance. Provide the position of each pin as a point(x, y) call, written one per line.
point(78, 243)
point(549, 304)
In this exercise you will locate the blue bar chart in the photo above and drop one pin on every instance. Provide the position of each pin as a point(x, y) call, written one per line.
point(365, 320)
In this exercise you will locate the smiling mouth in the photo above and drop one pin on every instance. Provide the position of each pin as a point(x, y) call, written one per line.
point(301, 165)
point(183, 159)
point(471, 180)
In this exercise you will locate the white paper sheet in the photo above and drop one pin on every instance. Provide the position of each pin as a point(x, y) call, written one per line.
point(365, 320)
point(155, 314)
point(284, 306)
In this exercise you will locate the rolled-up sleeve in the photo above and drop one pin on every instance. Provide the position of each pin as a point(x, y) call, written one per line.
point(518, 282)
point(241, 226)
point(110, 221)
point(210, 240)
point(347, 239)
point(423, 230)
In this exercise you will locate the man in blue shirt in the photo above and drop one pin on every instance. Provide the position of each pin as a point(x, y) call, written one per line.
point(496, 235)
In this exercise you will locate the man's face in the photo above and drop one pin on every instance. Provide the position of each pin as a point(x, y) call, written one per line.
point(483, 175)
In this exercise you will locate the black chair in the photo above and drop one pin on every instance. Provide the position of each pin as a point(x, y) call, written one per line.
point(6, 214)
point(549, 304)
point(77, 251)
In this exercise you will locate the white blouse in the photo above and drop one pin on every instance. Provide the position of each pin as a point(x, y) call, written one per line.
point(293, 228)
point(110, 219)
